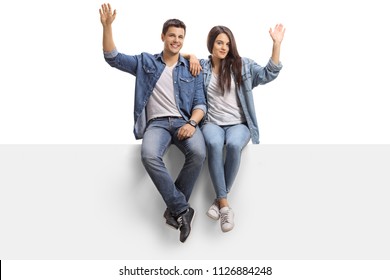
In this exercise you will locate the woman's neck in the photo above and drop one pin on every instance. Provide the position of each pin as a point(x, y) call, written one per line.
point(216, 65)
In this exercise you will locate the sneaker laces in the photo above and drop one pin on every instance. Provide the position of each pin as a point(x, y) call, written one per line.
point(180, 221)
point(225, 217)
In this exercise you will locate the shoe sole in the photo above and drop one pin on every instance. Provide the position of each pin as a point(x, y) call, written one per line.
point(212, 217)
point(192, 220)
point(171, 226)
point(227, 230)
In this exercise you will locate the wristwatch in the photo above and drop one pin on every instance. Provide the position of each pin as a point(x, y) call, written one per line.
point(193, 123)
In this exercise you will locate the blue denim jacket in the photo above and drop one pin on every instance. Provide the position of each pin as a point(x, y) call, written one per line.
point(252, 76)
point(189, 90)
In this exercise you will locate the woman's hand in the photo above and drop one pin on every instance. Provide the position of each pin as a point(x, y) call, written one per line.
point(277, 34)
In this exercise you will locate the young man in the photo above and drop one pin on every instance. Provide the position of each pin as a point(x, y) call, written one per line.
point(169, 103)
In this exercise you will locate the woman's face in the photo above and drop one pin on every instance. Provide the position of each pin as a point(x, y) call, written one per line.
point(221, 46)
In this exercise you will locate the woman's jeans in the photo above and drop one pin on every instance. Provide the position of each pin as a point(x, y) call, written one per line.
point(160, 134)
point(224, 167)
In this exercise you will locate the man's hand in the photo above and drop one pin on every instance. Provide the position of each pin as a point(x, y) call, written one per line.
point(186, 131)
point(195, 67)
point(107, 16)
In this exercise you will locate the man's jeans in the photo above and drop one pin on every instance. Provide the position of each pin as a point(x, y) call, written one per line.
point(224, 168)
point(160, 134)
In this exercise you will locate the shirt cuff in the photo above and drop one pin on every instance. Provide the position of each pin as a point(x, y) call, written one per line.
point(202, 107)
point(111, 54)
point(274, 67)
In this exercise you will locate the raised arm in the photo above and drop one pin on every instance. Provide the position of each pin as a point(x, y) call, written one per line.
point(106, 18)
point(277, 35)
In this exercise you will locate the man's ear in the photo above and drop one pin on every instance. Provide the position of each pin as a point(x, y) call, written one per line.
point(162, 37)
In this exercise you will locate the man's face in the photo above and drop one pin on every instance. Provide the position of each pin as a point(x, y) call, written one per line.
point(173, 40)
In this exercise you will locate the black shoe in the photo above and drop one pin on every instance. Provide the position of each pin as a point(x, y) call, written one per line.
point(185, 222)
point(170, 220)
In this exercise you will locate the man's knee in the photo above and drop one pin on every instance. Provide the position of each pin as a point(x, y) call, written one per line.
point(149, 158)
point(198, 154)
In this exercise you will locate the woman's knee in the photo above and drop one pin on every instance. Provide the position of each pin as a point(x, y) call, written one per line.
point(234, 147)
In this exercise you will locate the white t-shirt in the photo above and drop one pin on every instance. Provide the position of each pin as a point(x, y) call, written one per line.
point(223, 108)
point(162, 102)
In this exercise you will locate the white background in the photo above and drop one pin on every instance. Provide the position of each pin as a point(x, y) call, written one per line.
point(57, 88)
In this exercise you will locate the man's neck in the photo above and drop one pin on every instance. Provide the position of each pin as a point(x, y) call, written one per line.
point(170, 59)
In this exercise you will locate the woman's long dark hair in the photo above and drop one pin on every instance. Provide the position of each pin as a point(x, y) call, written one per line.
point(231, 63)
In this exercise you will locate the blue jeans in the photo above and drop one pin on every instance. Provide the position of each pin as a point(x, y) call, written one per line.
point(224, 167)
point(159, 135)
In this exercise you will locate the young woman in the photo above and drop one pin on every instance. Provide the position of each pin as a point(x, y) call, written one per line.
point(231, 119)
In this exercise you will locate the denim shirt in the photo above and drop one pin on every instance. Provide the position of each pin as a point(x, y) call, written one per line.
point(252, 76)
point(147, 68)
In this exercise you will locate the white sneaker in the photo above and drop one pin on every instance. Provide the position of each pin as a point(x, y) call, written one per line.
point(213, 211)
point(227, 219)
